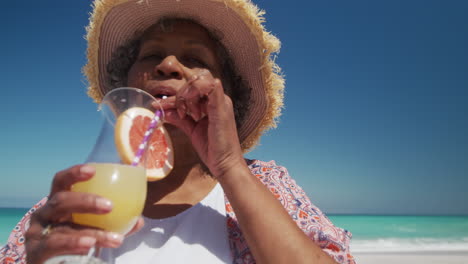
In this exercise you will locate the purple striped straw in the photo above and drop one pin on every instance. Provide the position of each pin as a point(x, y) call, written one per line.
point(148, 133)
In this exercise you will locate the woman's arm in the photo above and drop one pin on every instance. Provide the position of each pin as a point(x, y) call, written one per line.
point(272, 235)
point(270, 232)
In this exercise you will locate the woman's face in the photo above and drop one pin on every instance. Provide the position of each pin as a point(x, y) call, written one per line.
point(168, 56)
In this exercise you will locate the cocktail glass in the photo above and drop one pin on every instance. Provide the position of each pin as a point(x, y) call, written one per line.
point(123, 184)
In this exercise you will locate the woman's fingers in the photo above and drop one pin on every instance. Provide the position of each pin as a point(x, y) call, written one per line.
point(62, 243)
point(56, 244)
point(52, 233)
point(63, 180)
point(186, 123)
point(217, 98)
point(103, 238)
point(60, 206)
point(197, 94)
point(191, 98)
point(181, 106)
point(64, 240)
point(165, 104)
point(193, 105)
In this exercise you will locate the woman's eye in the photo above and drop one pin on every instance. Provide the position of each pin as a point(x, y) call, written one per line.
point(152, 57)
point(196, 62)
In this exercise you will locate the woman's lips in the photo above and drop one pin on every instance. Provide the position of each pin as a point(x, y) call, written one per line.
point(161, 92)
point(161, 96)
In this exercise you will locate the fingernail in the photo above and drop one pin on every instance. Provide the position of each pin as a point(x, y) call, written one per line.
point(86, 169)
point(115, 237)
point(103, 204)
point(86, 241)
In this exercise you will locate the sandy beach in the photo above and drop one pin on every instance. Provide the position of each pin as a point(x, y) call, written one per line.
point(412, 258)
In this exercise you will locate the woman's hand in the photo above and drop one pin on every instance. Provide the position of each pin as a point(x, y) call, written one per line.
point(52, 233)
point(205, 113)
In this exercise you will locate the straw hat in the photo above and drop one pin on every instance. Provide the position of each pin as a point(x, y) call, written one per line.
point(250, 46)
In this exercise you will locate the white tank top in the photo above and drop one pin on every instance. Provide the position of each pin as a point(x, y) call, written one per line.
point(197, 235)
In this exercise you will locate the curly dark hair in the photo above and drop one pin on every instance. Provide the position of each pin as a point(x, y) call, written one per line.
point(234, 86)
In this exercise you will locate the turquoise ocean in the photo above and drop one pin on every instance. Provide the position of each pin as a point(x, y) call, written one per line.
point(370, 233)
point(387, 234)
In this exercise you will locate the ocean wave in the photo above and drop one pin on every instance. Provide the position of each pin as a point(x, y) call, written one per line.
point(409, 245)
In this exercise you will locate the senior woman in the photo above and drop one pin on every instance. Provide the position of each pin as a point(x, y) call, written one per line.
point(209, 64)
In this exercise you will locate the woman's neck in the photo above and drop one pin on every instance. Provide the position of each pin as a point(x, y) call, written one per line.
point(186, 185)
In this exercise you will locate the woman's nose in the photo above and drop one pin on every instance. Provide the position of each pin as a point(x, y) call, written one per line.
point(169, 67)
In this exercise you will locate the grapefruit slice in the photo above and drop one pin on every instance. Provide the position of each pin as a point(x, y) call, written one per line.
point(130, 130)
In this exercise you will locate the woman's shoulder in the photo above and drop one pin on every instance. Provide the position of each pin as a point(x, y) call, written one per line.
point(264, 167)
point(277, 179)
point(269, 172)
point(14, 250)
point(308, 217)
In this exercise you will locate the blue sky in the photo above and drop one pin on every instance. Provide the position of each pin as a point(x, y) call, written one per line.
point(376, 102)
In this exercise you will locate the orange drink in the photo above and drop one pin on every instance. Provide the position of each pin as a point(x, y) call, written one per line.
point(125, 186)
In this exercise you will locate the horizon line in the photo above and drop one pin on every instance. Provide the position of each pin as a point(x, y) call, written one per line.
point(329, 214)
